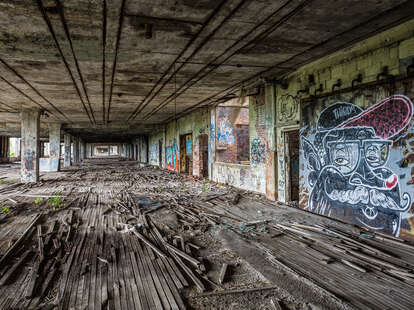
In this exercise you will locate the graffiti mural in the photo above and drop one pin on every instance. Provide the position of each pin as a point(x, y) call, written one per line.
point(189, 147)
point(289, 106)
point(172, 156)
point(225, 135)
point(29, 160)
point(258, 152)
point(346, 160)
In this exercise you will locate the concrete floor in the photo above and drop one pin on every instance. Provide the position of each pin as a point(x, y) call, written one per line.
point(323, 264)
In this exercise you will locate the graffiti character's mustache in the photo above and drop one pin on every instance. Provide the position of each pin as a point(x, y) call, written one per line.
point(368, 196)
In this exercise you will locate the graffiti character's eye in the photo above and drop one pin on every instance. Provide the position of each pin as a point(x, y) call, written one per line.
point(342, 161)
point(384, 151)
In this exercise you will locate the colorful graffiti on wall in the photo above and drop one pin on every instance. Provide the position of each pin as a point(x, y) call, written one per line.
point(29, 160)
point(347, 163)
point(257, 152)
point(225, 135)
point(172, 156)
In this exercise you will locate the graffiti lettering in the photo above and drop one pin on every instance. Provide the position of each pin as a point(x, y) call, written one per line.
point(172, 156)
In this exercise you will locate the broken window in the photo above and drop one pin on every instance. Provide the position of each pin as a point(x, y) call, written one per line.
point(232, 132)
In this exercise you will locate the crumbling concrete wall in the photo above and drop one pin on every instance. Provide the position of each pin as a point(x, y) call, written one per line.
point(154, 149)
point(142, 147)
point(252, 176)
point(355, 113)
point(195, 123)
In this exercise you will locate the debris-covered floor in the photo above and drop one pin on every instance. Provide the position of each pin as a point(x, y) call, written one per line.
point(110, 235)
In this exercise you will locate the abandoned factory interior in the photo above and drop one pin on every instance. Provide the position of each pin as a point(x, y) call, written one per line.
point(206, 154)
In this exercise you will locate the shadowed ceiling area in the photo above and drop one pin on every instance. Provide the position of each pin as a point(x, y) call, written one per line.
point(112, 69)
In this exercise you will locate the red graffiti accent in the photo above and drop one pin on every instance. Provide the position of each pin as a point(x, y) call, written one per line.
point(388, 117)
point(391, 182)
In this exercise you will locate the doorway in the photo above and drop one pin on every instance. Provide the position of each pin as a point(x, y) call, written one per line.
point(203, 142)
point(186, 154)
point(292, 165)
point(160, 153)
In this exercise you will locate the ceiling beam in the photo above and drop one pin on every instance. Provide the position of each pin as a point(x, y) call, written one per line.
point(118, 39)
point(52, 32)
point(60, 9)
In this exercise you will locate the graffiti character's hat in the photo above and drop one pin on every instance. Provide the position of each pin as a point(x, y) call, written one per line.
point(388, 117)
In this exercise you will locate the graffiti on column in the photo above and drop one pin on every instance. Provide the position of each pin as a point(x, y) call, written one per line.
point(258, 152)
point(29, 160)
point(346, 163)
point(54, 149)
point(172, 156)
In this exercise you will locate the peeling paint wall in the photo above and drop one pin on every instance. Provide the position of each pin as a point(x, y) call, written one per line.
point(356, 161)
point(154, 149)
point(143, 148)
point(254, 176)
point(196, 123)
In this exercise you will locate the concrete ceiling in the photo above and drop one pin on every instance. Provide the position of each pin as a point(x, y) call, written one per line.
point(112, 67)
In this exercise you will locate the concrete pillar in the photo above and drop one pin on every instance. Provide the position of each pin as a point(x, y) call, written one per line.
point(67, 159)
point(82, 150)
point(30, 123)
point(270, 129)
point(76, 150)
point(17, 146)
point(53, 162)
point(212, 143)
point(4, 149)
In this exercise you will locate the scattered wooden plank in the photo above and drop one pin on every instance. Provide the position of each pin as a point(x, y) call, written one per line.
point(148, 243)
point(238, 291)
point(10, 272)
point(184, 255)
point(40, 241)
point(223, 271)
point(17, 243)
point(275, 304)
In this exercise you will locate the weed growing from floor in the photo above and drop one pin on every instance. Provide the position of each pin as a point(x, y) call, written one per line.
point(159, 188)
point(2, 181)
point(5, 210)
point(38, 200)
point(57, 201)
point(205, 188)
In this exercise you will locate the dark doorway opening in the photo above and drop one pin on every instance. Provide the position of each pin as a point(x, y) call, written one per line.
point(292, 165)
point(203, 143)
point(186, 154)
point(160, 153)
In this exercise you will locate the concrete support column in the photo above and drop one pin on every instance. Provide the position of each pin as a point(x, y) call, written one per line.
point(76, 150)
point(82, 150)
point(212, 143)
point(271, 165)
point(30, 124)
point(4, 149)
point(53, 162)
point(67, 159)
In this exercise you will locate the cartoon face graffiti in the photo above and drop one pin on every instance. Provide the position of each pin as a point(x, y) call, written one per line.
point(347, 159)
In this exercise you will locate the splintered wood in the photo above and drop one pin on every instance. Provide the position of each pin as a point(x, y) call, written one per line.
point(98, 268)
